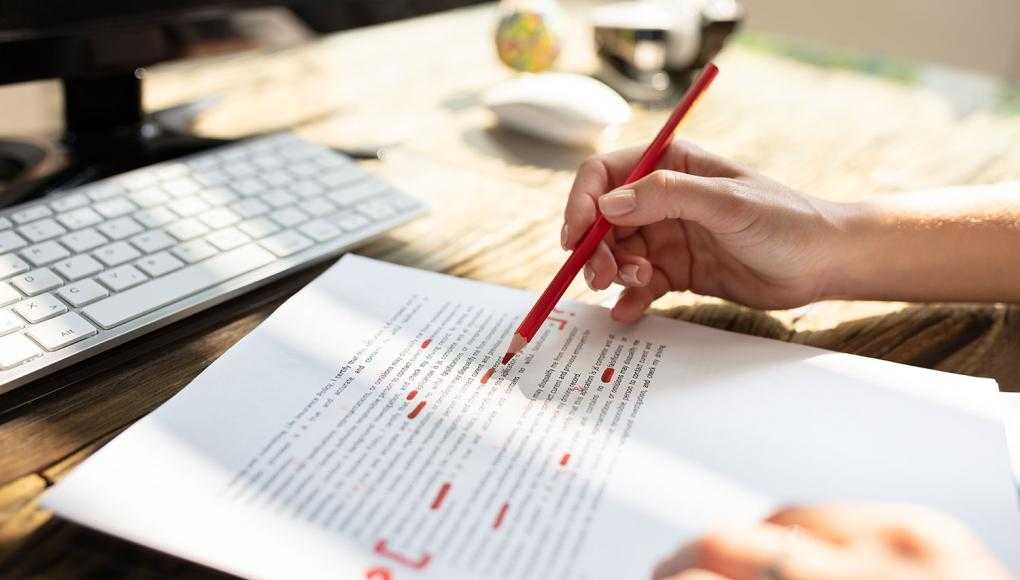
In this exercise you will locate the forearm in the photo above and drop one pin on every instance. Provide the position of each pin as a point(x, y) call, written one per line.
point(954, 245)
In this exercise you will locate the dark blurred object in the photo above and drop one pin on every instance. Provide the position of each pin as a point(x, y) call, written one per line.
point(98, 49)
point(650, 51)
point(330, 16)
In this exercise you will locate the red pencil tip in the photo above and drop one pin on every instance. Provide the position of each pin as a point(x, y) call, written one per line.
point(507, 357)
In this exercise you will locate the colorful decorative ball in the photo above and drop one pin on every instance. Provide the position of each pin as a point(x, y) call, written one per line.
point(528, 39)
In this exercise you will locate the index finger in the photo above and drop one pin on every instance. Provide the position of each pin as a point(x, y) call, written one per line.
point(596, 176)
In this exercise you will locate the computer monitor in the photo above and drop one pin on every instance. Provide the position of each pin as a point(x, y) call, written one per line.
point(98, 48)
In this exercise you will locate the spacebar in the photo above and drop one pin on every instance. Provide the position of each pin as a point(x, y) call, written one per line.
point(157, 293)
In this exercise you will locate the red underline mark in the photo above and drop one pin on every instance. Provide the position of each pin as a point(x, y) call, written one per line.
point(443, 490)
point(412, 394)
point(565, 459)
point(378, 573)
point(607, 375)
point(488, 375)
point(425, 343)
point(417, 409)
point(419, 564)
point(500, 516)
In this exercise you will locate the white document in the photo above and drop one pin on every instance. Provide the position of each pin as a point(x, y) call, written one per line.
point(360, 433)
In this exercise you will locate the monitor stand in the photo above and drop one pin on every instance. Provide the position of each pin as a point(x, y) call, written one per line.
point(106, 133)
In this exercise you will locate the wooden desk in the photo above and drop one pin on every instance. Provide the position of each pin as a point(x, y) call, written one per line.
point(418, 82)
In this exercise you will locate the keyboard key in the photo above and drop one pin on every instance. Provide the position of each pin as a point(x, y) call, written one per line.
point(155, 217)
point(30, 214)
point(36, 281)
point(82, 292)
point(307, 189)
point(215, 196)
point(182, 187)
point(122, 278)
point(168, 289)
point(350, 221)
point(9, 322)
point(187, 229)
point(259, 227)
point(285, 243)
point(39, 308)
point(43, 229)
point(138, 179)
point(277, 178)
point(16, 349)
point(79, 218)
point(288, 216)
point(319, 230)
point(104, 190)
point(212, 177)
point(378, 209)
point(115, 207)
point(116, 253)
point(219, 217)
point(266, 161)
point(188, 206)
point(304, 169)
point(8, 294)
point(279, 198)
point(158, 264)
point(69, 202)
point(4, 223)
point(61, 331)
point(240, 169)
point(120, 228)
point(247, 208)
point(171, 170)
point(78, 267)
point(44, 253)
point(153, 241)
point(11, 264)
point(341, 176)
point(11, 241)
point(227, 238)
point(84, 240)
point(149, 197)
point(248, 187)
point(195, 251)
point(356, 193)
point(316, 206)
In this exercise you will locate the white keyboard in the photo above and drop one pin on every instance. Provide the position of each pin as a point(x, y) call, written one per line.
point(90, 268)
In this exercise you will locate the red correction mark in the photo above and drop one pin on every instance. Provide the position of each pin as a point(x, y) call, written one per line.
point(412, 394)
point(417, 409)
point(488, 375)
point(500, 516)
point(607, 375)
point(378, 573)
point(565, 459)
point(425, 343)
point(419, 564)
point(560, 321)
point(443, 490)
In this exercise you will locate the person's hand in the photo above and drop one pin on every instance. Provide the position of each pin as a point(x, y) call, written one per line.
point(838, 542)
point(705, 224)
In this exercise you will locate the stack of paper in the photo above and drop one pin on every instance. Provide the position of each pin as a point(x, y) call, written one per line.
point(365, 431)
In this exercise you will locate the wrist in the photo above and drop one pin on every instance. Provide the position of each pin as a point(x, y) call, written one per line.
point(855, 250)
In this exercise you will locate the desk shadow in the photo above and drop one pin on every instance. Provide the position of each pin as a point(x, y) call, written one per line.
point(517, 148)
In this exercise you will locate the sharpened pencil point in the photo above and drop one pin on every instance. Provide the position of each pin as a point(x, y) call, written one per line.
point(516, 344)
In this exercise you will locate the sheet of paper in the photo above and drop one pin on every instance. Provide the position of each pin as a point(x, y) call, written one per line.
point(361, 431)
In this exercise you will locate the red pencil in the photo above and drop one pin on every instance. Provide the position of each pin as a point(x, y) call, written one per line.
point(584, 250)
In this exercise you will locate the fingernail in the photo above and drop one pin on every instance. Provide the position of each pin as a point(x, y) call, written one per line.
point(589, 276)
point(563, 237)
point(617, 203)
point(629, 274)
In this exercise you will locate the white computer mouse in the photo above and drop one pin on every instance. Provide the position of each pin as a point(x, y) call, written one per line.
point(566, 108)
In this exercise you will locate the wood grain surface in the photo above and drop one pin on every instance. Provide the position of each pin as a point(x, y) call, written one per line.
point(497, 199)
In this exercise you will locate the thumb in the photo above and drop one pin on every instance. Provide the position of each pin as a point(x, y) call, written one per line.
point(719, 204)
